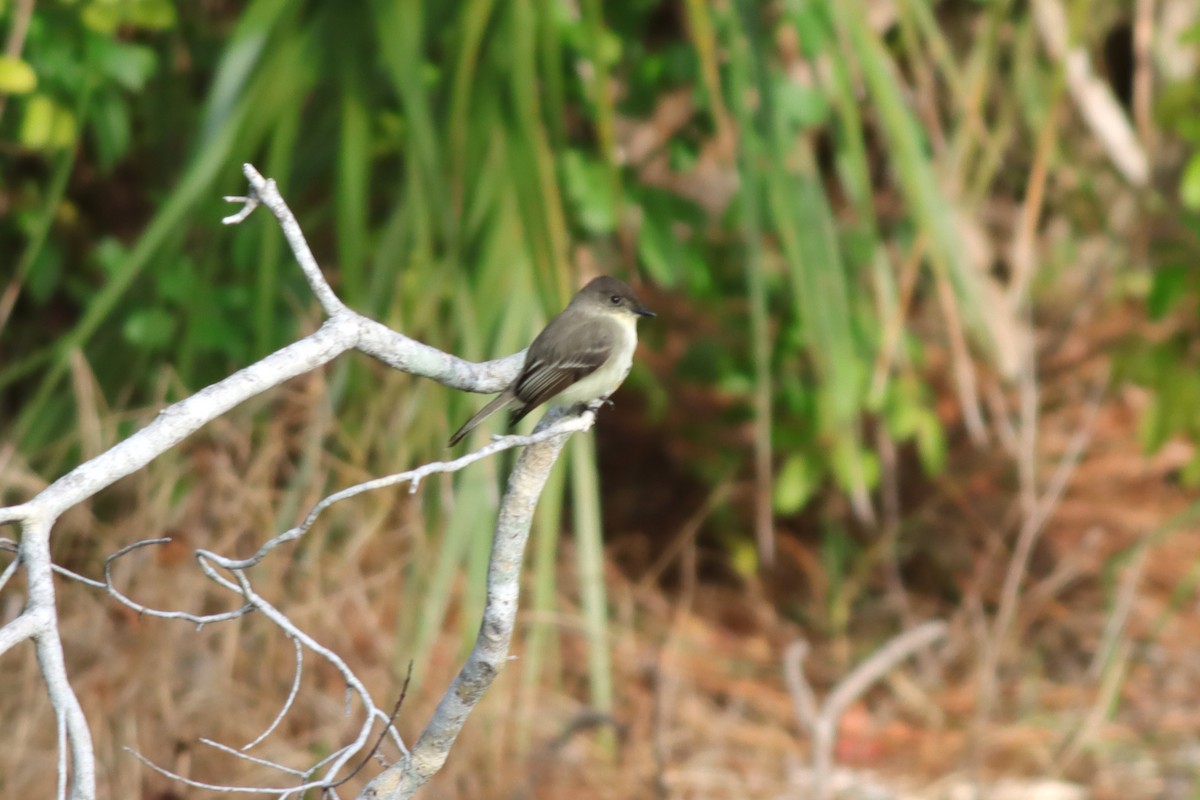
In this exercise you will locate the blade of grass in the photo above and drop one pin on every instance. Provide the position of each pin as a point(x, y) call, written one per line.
point(468, 519)
point(241, 56)
point(474, 17)
point(800, 215)
point(550, 67)
point(542, 638)
point(544, 203)
point(353, 184)
point(585, 494)
point(751, 164)
point(57, 187)
point(270, 253)
point(601, 96)
point(854, 170)
point(931, 209)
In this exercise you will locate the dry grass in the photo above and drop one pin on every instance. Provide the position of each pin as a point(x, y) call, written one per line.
point(702, 710)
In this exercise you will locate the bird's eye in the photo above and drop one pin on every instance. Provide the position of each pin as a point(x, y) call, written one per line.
point(616, 299)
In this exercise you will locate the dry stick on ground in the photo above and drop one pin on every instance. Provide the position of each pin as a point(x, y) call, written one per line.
point(821, 721)
point(344, 330)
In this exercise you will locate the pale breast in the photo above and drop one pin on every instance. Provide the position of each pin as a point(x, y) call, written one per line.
point(607, 378)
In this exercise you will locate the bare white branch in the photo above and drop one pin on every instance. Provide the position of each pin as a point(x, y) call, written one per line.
point(490, 653)
point(15, 513)
point(41, 625)
point(343, 330)
point(25, 626)
point(265, 192)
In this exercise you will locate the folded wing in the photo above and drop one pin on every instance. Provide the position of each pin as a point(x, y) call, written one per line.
point(565, 353)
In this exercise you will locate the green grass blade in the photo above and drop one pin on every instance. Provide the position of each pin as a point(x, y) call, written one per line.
point(585, 494)
point(541, 641)
point(752, 164)
point(917, 178)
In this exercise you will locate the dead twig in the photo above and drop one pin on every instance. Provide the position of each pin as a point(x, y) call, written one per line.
point(821, 720)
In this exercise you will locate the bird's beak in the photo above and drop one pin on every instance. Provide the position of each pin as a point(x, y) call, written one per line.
point(645, 312)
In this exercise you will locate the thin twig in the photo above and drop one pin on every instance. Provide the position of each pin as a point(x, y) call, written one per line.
point(291, 698)
point(382, 734)
point(266, 192)
point(199, 620)
point(413, 477)
point(233, 751)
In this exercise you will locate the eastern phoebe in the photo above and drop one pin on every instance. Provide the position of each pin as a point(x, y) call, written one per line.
point(583, 355)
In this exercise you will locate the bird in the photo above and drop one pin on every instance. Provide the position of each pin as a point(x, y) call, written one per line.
point(581, 356)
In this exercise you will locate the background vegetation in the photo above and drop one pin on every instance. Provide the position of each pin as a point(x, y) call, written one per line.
point(897, 255)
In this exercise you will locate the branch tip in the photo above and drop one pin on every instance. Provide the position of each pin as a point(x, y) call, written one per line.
point(249, 203)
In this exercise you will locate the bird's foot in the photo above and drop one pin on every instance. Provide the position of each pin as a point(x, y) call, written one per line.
point(597, 404)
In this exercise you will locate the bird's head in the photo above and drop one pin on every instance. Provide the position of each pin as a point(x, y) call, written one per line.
point(609, 294)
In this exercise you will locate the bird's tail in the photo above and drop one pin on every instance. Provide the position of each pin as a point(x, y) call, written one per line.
point(502, 400)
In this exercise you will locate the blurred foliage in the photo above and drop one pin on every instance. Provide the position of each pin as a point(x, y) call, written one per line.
point(1166, 361)
point(794, 170)
point(437, 157)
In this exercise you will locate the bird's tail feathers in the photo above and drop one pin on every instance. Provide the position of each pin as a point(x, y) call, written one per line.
point(502, 400)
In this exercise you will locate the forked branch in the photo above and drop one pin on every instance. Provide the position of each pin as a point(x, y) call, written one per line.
point(343, 330)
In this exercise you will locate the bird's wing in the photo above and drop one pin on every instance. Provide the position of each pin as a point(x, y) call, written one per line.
point(565, 352)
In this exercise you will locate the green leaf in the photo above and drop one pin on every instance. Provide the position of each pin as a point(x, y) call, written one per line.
point(1169, 286)
point(1189, 184)
point(590, 188)
point(1189, 35)
point(658, 249)
point(110, 255)
point(666, 243)
point(46, 273)
point(931, 443)
point(130, 65)
point(848, 459)
point(152, 15)
point(149, 328)
point(800, 106)
point(178, 285)
point(64, 131)
point(46, 125)
point(103, 18)
point(1189, 476)
point(795, 484)
point(37, 122)
point(1153, 426)
point(110, 128)
point(811, 27)
point(16, 76)
point(903, 413)
point(743, 557)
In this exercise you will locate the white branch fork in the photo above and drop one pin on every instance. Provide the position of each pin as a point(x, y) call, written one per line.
point(343, 330)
